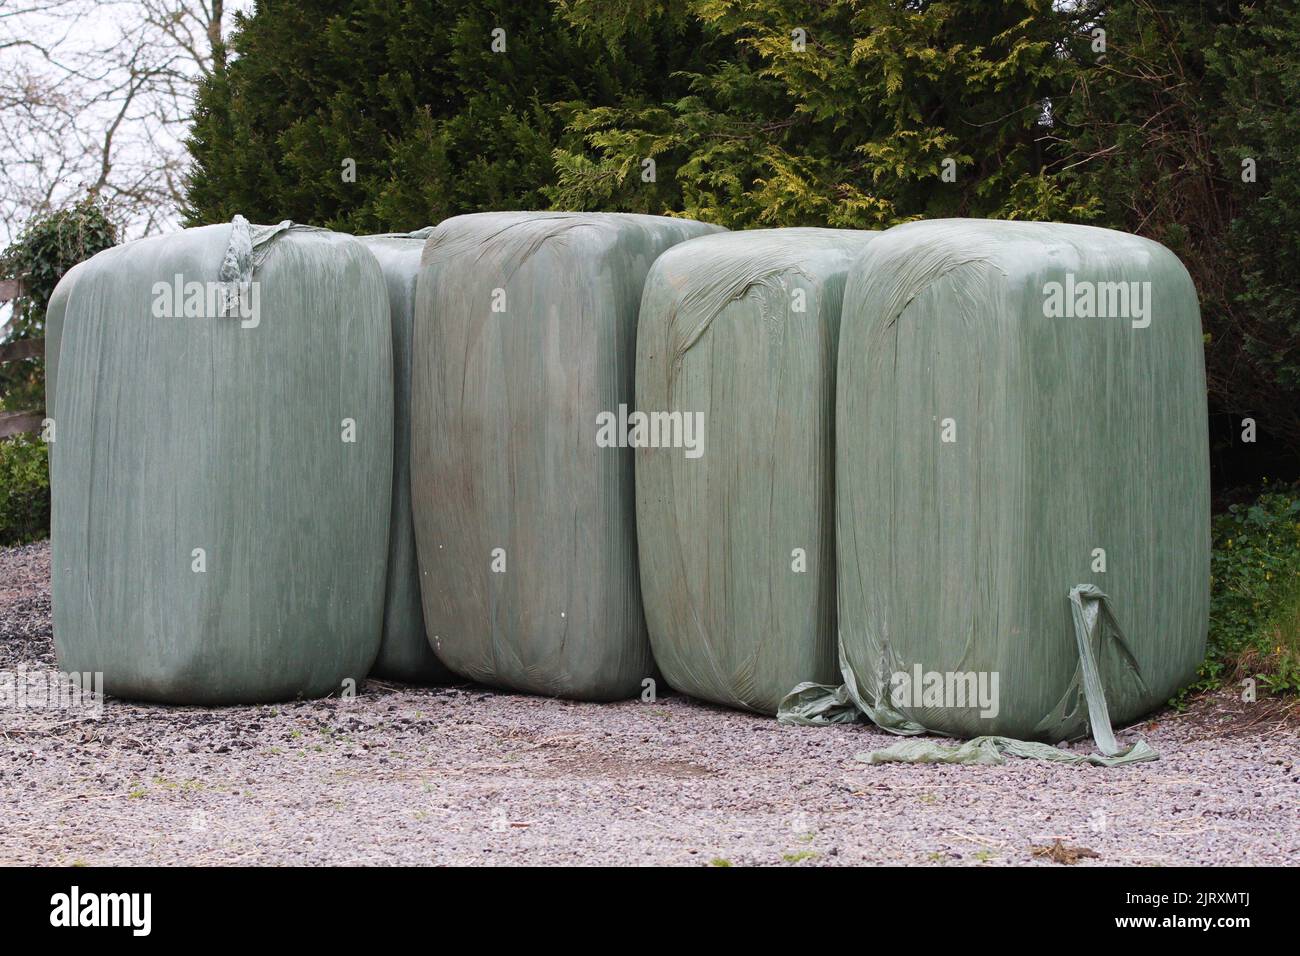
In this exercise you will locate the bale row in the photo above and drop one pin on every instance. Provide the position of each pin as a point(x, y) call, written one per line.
point(576, 454)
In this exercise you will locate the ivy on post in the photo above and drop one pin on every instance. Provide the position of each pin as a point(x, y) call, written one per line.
point(30, 268)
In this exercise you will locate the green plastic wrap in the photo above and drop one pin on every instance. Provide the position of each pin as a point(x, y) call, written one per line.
point(1016, 433)
point(404, 653)
point(222, 475)
point(994, 750)
point(737, 544)
point(54, 312)
point(525, 329)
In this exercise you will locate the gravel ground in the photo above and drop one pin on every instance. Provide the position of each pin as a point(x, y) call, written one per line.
point(465, 775)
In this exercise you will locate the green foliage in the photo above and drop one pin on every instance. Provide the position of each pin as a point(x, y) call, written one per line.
point(1279, 657)
point(847, 123)
point(47, 249)
point(1156, 131)
point(1038, 115)
point(1261, 75)
point(1255, 592)
point(24, 490)
point(436, 122)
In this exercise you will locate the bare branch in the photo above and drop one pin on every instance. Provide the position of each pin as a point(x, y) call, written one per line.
point(96, 97)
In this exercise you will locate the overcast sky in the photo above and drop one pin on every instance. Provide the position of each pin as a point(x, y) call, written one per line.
point(97, 92)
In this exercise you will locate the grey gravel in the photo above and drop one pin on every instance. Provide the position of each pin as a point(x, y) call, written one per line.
point(466, 775)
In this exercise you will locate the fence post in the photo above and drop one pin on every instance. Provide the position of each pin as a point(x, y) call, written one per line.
point(16, 423)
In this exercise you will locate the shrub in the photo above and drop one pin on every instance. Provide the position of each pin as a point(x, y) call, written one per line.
point(1275, 658)
point(1255, 592)
point(24, 490)
point(47, 248)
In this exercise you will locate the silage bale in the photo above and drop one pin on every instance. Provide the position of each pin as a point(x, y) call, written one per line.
point(525, 329)
point(404, 652)
point(223, 465)
point(1020, 405)
point(737, 540)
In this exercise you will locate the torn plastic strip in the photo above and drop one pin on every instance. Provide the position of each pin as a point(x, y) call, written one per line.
point(248, 248)
point(819, 704)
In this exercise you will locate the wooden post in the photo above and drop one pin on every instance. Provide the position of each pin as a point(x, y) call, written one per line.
point(15, 423)
point(22, 349)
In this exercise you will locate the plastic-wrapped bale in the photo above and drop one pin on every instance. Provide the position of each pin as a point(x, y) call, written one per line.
point(525, 338)
point(737, 338)
point(223, 465)
point(1022, 480)
point(404, 652)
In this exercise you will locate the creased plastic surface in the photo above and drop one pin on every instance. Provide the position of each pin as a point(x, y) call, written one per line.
point(994, 750)
point(404, 653)
point(248, 247)
point(179, 434)
point(54, 316)
point(1071, 435)
point(1094, 625)
point(737, 545)
point(505, 468)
